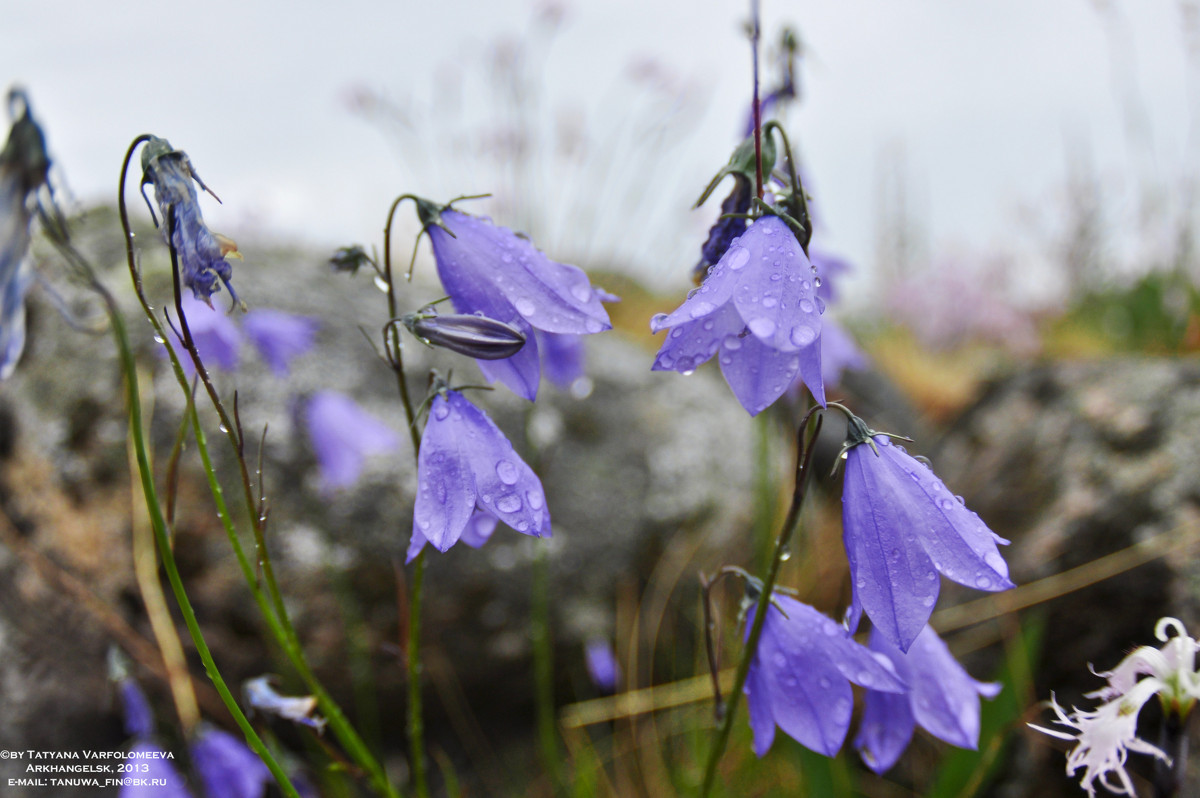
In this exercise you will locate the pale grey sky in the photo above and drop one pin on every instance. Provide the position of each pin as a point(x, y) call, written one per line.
point(985, 103)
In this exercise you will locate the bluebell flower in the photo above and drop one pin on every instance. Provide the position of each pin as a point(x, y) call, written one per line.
point(227, 767)
point(602, 666)
point(839, 352)
point(23, 170)
point(280, 337)
point(262, 697)
point(139, 718)
point(902, 527)
point(799, 679)
point(342, 436)
point(468, 477)
point(201, 252)
point(942, 698)
point(217, 338)
point(491, 270)
point(759, 309)
point(161, 780)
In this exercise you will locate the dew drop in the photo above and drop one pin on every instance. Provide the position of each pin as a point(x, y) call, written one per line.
point(961, 500)
point(702, 309)
point(522, 526)
point(945, 504)
point(817, 282)
point(805, 285)
point(381, 284)
point(732, 343)
point(708, 324)
point(769, 302)
point(508, 504)
point(685, 364)
point(656, 321)
point(525, 307)
point(806, 306)
point(440, 411)
point(507, 472)
point(581, 291)
point(593, 326)
point(739, 258)
point(803, 336)
point(762, 328)
point(983, 581)
point(786, 553)
point(535, 499)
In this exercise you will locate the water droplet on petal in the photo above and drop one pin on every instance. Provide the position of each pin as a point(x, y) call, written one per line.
point(507, 472)
point(508, 504)
point(535, 499)
point(702, 309)
point(738, 258)
point(656, 321)
point(581, 291)
point(762, 328)
point(803, 336)
point(525, 307)
point(593, 326)
point(769, 302)
point(440, 411)
point(983, 581)
point(806, 306)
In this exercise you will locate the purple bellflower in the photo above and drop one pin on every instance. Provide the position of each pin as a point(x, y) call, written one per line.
point(342, 436)
point(202, 253)
point(162, 780)
point(491, 270)
point(261, 696)
point(468, 477)
point(800, 677)
point(280, 337)
point(23, 169)
point(602, 666)
point(839, 352)
point(941, 697)
point(217, 338)
point(139, 718)
point(227, 768)
point(759, 309)
point(901, 527)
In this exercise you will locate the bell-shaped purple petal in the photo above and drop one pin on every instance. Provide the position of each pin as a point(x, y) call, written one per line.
point(551, 296)
point(280, 337)
point(465, 462)
point(562, 358)
point(342, 436)
point(901, 526)
point(691, 343)
point(217, 338)
point(602, 666)
point(759, 374)
point(942, 698)
point(227, 768)
point(161, 780)
point(799, 679)
point(139, 718)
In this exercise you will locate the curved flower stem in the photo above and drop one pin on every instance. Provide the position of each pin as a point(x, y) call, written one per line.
point(272, 608)
point(543, 665)
point(803, 461)
point(395, 356)
point(162, 538)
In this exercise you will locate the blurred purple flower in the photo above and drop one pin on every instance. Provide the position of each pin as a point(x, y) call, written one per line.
point(217, 338)
point(201, 253)
point(280, 337)
point(261, 696)
point(563, 358)
point(901, 527)
point(602, 665)
point(23, 169)
point(838, 353)
point(161, 781)
point(758, 307)
point(227, 768)
point(490, 269)
point(800, 677)
point(830, 269)
point(941, 697)
point(466, 467)
point(342, 436)
point(139, 718)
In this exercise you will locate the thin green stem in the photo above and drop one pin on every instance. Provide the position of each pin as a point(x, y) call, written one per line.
point(803, 460)
point(543, 667)
point(272, 608)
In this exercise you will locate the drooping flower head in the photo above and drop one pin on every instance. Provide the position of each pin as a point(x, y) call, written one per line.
point(280, 337)
point(227, 768)
point(469, 477)
point(941, 697)
point(201, 252)
point(1105, 735)
point(799, 679)
point(343, 435)
point(492, 271)
point(602, 666)
point(262, 697)
point(901, 527)
point(758, 307)
point(24, 166)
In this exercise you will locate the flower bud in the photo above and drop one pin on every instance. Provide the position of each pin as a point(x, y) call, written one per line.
point(474, 336)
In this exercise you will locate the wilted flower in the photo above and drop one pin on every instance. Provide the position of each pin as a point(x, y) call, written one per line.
point(800, 677)
point(901, 527)
point(300, 709)
point(280, 337)
point(201, 253)
point(467, 334)
point(759, 308)
point(1105, 735)
point(466, 469)
point(941, 697)
point(491, 270)
point(227, 768)
point(23, 169)
point(217, 338)
point(602, 666)
point(342, 436)
point(161, 780)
